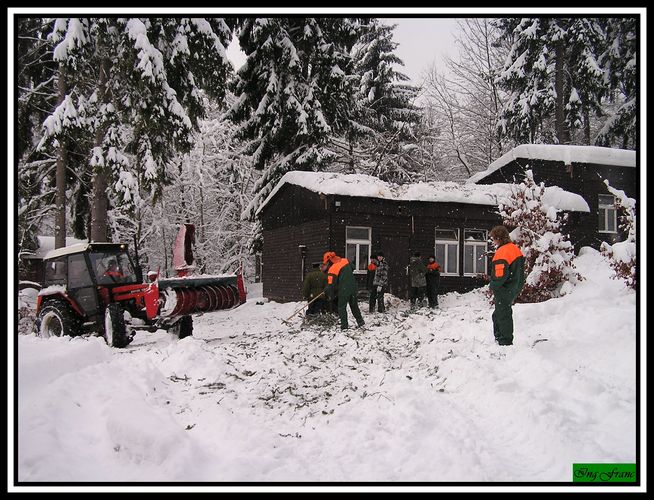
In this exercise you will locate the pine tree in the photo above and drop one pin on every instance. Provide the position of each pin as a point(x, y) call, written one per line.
point(36, 92)
point(619, 60)
point(549, 255)
point(292, 93)
point(138, 96)
point(527, 78)
point(559, 74)
point(384, 115)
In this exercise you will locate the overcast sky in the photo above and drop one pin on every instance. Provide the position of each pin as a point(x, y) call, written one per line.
point(423, 41)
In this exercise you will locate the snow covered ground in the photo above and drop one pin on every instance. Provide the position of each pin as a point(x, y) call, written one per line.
point(421, 398)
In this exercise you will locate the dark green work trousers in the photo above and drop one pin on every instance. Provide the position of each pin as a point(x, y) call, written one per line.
point(343, 301)
point(503, 318)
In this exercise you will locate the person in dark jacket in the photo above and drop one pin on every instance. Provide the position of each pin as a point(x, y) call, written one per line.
point(417, 272)
point(379, 282)
point(506, 281)
point(370, 276)
point(433, 280)
point(313, 286)
point(341, 283)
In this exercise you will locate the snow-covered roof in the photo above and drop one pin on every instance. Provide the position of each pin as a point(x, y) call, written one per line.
point(567, 154)
point(47, 244)
point(77, 248)
point(360, 185)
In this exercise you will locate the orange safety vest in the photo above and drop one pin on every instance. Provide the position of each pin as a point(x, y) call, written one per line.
point(507, 253)
point(433, 266)
point(335, 270)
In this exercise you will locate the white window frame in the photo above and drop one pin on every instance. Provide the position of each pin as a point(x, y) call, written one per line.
point(608, 211)
point(358, 242)
point(475, 244)
point(444, 264)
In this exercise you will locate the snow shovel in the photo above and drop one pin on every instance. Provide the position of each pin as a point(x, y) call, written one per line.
point(305, 305)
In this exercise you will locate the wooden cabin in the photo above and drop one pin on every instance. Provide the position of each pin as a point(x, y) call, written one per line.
point(309, 213)
point(577, 169)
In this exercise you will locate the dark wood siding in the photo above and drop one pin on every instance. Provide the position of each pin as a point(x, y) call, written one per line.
point(293, 205)
point(586, 180)
point(429, 216)
point(282, 266)
point(295, 216)
point(399, 229)
point(391, 233)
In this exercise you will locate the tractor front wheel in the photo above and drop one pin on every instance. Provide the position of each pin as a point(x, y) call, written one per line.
point(56, 318)
point(115, 329)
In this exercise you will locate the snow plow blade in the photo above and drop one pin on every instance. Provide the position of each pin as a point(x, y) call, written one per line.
point(198, 294)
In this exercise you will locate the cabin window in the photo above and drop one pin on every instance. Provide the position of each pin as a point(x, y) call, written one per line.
point(357, 247)
point(446, 251)
point(474, 252)
point(608, 215)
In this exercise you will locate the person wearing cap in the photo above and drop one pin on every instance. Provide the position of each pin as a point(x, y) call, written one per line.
point(341, 283)
point(314, 283)
point(378, 283)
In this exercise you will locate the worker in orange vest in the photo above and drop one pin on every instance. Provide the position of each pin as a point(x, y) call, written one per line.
point(340, 280)
point(507, 280)
point(433, 280)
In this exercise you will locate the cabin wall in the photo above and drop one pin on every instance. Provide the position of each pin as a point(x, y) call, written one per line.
point(295, 217)
point(283, 266)
point(586, 180)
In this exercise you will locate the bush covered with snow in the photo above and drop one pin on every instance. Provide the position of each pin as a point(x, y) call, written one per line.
point(27, 307)
point(548, 253)
point(622, 255)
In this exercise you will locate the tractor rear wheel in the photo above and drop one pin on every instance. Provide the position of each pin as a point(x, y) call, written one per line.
point(115, 330)
point(183, 328)
point(57, 318)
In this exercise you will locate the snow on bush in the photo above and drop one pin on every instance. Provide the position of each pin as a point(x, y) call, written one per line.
point(27, 307)
point(622, 255)
point(549, 267)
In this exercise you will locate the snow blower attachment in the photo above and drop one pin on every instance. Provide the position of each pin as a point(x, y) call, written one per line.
point(94, 287)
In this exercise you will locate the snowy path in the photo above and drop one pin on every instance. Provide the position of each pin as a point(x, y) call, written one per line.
point(425, 396)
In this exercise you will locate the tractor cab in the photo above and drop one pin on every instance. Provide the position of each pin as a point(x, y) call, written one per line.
point(83, 276)
point(89, 264)
point(111, 266)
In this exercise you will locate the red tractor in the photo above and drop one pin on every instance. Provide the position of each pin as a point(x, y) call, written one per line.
point(94, 287)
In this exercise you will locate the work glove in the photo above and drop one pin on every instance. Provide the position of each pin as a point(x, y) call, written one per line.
point(379, 288)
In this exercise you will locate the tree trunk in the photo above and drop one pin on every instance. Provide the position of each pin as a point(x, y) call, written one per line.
point(586, 126)
point(562, 132)
point(99, 201)
point(60, 175)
